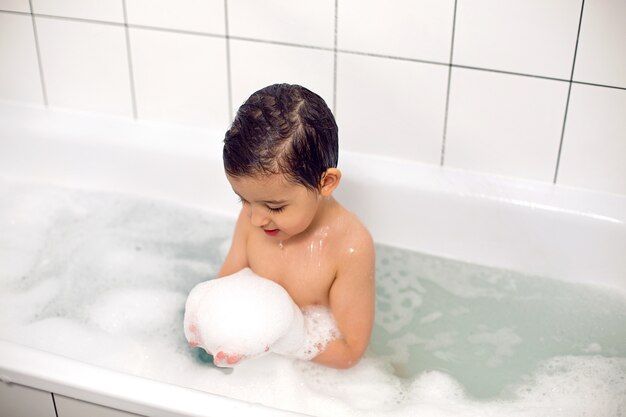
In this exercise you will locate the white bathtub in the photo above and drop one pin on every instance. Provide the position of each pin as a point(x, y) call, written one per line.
point(530, 227)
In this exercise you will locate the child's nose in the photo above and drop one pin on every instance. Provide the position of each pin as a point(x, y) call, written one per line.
point(257, 218)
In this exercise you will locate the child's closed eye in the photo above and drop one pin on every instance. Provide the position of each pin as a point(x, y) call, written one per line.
point(270, 209)
point(275, 209)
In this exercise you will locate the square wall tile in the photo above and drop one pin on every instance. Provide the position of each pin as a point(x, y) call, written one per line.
point(103, 10)
point(15, 5)
point(594, 145)
point(19, 71)
point(530, 37)
point(601, 56)
point(255, 65)
point(505, 124)
point(205, 16)
point(303, 22)
point(180, 78)
point(85, 65)
point(418, 29)
point(391, 107)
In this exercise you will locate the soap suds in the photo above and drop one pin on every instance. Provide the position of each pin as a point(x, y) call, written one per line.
point(247, 315)
point(103, 279)
point(242, 314)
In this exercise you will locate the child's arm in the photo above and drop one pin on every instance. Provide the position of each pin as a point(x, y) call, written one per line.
point(352, 300)
point(237, 258)
point(235, 261)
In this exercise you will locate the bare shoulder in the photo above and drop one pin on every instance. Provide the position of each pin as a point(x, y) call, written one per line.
point(356, 243)
point(354, 229)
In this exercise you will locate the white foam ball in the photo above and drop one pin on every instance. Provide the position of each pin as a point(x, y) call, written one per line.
point(241, 314)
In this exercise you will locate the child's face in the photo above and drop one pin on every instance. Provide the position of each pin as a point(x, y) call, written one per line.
point(280, 208)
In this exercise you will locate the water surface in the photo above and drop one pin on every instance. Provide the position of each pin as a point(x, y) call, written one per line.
point(103, 278)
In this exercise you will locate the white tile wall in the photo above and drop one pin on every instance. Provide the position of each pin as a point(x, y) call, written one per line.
point(418, 29)
point(303, 22)
point(530, 36)
point(15, 5)
point(594, 146)
point(85, 65)
point(206, 16)
point(391, 107)
point(386, 104)
point(505, 124)
point(601, 54)
point(180, 78)
point(255, 65)
point(103, 10)
point(19, 70)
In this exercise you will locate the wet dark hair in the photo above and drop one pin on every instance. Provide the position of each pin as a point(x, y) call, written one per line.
point(282, 129)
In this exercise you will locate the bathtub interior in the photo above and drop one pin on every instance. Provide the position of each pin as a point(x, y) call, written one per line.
point(525, 226)
point(530, 228)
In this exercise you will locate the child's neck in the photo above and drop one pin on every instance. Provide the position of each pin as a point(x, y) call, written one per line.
point(321, 223)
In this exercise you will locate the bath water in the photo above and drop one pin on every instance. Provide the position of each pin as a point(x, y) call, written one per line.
point(488, 328)
point(103, 278)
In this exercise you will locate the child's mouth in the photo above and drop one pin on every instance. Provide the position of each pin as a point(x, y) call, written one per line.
point(272, 232)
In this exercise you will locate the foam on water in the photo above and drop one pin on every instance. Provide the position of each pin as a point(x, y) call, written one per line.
point(116, 311)
point(103, 279)
point(319, 330)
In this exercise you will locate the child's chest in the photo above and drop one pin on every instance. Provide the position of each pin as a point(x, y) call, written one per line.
point(305, 269)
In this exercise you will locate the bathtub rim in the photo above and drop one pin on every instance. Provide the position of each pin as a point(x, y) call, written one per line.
point(99, 152)
point(56, 374)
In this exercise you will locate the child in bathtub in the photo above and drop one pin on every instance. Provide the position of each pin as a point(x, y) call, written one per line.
point(280, 157)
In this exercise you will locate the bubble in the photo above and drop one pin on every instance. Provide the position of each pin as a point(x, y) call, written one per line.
point(136, 310)
point(320, 330)
point(242, 314)
point(103, 279)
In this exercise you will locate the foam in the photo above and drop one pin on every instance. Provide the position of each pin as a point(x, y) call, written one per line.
point(26, 217)
point(320, 329)
point(577, 386)
point(563, 386)
point(80, 287)
point(135, 310)
point(242, 314)
point(248, 316)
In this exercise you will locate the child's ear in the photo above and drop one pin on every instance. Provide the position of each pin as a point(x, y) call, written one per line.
point(330, 181)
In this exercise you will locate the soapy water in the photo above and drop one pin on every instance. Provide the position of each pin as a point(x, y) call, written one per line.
point(103, 278)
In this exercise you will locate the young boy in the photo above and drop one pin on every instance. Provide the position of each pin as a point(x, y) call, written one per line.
point(280, 157)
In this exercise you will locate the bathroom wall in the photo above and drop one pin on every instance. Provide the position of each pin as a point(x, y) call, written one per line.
point(531, 89)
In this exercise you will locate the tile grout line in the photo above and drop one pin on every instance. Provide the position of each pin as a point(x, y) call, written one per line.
point(335, 51)
point(614, 87)
point(131, 72)
point(229, 82)
point(54, 403)
point(395, 58)
point(445, 117)
point(42, 79)
point(504, 72)
point(569, 93)
point(375, 55)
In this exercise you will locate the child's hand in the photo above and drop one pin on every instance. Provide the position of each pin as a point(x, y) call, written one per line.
point(226, 360)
